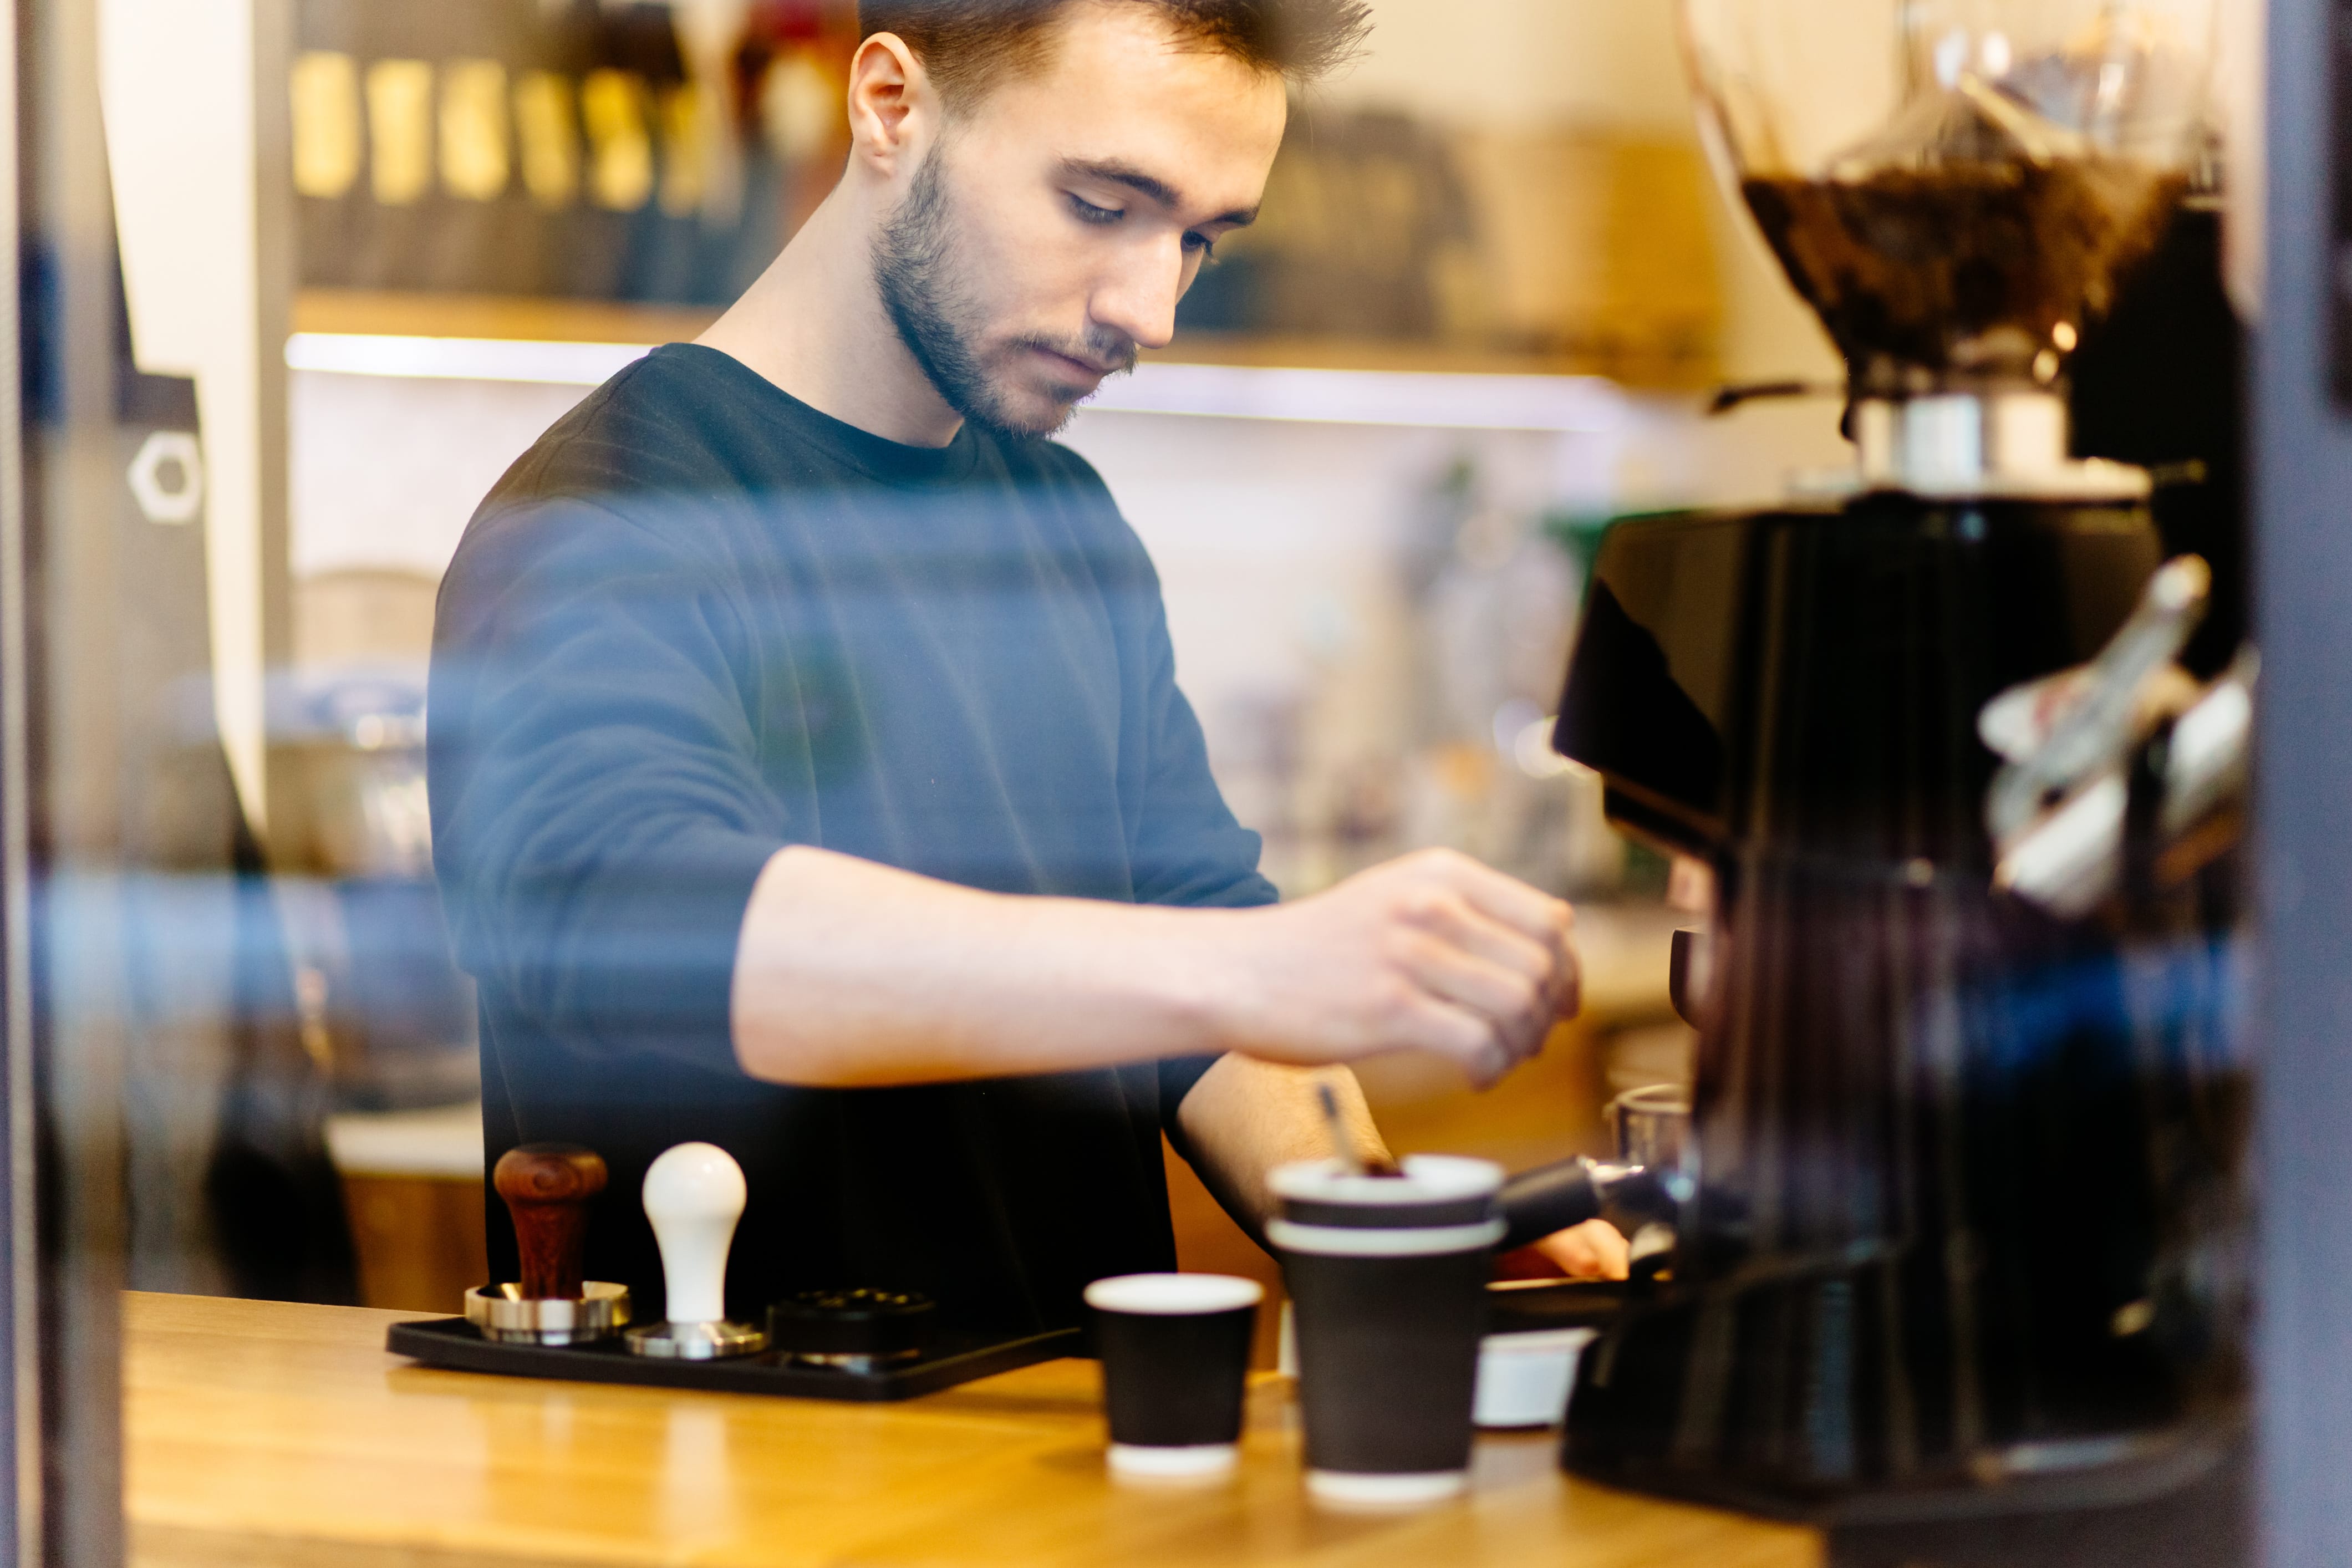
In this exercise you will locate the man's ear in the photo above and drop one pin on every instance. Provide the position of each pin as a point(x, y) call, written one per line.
point(894, 110)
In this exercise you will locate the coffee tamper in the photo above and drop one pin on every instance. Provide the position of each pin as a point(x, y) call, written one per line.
point(694, 1196)
point(546, 1187)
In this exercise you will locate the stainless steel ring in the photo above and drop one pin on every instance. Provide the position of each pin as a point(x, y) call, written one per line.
point(503, 1313)
point(697, 1342)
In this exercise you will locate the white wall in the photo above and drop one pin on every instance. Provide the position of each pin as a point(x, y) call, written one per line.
point(1487, 62)
point(1614, 64)
point(386, 470)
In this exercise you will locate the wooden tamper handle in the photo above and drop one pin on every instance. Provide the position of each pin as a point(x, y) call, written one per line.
point(546, 1187)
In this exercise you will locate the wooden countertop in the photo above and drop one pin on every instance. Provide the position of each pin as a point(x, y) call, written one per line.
point(268, 1435)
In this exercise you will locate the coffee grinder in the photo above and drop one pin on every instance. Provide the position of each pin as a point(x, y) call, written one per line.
point(1959, 1225)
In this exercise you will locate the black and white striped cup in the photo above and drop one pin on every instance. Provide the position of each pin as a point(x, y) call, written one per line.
point(1175, 1356)
point(1389, 1275)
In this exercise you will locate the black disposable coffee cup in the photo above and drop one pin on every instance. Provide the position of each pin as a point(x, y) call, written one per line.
point(1389, 1275)
point(1175, 1355)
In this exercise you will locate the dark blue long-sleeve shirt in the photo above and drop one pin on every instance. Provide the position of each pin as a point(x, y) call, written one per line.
point(699, 621)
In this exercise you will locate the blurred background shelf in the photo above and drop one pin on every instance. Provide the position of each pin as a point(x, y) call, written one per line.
point(551, 343)
point(1318, 352)
point(395, 314)
point(380, 313)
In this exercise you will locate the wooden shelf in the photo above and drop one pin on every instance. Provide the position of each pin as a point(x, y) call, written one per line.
point(355, 312)
point(1291, 353)
point(363, 313)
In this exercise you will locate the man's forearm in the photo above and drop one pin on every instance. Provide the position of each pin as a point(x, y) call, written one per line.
point(1245, 1117)
point(849, 974)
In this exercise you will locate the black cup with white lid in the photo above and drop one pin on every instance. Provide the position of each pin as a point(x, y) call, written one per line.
point(1388, 1278)
point(1175, 1355)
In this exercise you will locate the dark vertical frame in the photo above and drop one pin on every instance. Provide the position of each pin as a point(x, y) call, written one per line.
point(2303, 542)
point(64, 714)
point(70, 773)
point(20, 1359)
point(275, 217)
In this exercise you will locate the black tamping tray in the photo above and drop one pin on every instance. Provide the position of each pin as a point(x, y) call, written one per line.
point(953, 1358)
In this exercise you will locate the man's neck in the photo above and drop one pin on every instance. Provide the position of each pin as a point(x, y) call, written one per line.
point(815, 324)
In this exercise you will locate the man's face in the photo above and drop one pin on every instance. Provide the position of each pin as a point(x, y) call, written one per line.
point(1051, 231)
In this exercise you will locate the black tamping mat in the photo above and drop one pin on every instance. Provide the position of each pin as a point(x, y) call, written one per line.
point(953, 1358)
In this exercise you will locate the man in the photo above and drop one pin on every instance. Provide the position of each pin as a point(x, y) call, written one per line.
point(808, 770)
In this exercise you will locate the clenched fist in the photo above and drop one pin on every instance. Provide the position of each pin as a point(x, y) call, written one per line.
point(1433, 951)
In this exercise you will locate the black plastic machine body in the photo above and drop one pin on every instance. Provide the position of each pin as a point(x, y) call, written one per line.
point(1961, 1207)
point(1961, 1219)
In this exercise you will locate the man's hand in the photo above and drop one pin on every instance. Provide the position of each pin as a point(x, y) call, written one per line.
point(1433, 951)
point(1593, 1250)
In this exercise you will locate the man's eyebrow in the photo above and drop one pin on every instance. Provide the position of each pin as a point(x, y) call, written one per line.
point(1149, 187)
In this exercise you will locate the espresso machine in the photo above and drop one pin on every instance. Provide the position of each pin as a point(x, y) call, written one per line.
point(1959, 1228)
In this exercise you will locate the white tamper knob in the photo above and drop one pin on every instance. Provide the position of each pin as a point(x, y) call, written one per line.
point(694, 1194)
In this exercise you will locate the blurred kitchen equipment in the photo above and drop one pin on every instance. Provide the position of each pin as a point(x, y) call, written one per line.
point(1524, 1378)
point(413, 1185)
point(2076, 745)
point(1650, 1125)
point(1963, 1214)
point(352, 746)
point(381, 1001)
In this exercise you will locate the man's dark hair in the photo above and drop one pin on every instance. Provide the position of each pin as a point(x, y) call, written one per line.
point(969, 46)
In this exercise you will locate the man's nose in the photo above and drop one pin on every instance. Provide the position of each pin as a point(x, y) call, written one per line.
point(1139, 300)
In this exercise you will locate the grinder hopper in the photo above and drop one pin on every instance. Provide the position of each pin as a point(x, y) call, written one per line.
point(1954, 187)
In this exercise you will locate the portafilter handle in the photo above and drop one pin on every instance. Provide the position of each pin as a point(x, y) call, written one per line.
point(546, 1187)
point(1533, 1203)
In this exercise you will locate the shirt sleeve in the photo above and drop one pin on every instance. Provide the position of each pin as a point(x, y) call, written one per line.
point(1188, 848)
point(1177, 1076)
point(598, 812)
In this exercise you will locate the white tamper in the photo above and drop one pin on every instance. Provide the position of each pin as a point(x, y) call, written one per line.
point(694, 1196)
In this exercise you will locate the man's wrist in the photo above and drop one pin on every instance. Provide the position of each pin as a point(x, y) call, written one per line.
point(1201, 980)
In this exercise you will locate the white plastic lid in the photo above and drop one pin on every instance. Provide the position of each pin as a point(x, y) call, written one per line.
point(1427, 1179)
point(1174, 1295)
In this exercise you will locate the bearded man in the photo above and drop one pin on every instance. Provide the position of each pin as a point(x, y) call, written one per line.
point(809, 773)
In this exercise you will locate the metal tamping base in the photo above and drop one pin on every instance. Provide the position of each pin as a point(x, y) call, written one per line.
point(861, 1331)
point(697, 1342)
point(502, 1312)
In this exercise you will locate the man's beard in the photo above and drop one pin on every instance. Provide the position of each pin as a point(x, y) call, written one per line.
point(944, 325)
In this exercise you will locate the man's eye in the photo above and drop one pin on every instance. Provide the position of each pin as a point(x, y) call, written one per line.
point(1201, 244)
point(1088, 212)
